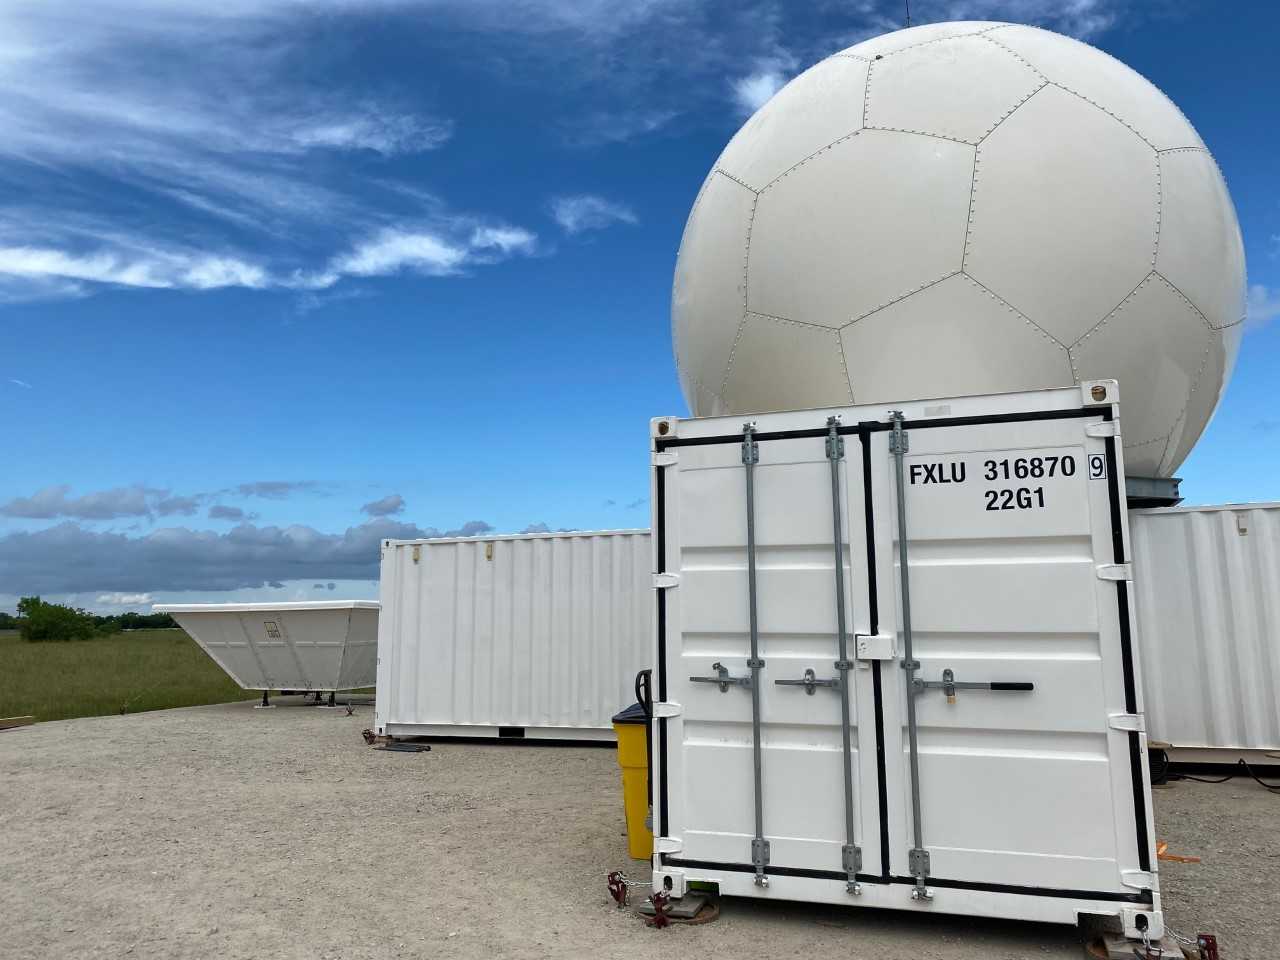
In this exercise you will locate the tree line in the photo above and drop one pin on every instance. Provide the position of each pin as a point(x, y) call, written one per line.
point(39, 621)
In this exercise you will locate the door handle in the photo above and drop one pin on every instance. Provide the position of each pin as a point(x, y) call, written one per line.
point(723, 679)
point(949, 685)
point(810, 682)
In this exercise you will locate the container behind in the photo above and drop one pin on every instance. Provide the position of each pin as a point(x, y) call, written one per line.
point(1208, 587)
point(530, 636)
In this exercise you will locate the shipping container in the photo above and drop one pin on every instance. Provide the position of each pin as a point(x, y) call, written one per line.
point(1208, 589)
point(320, 645)
point(894, 660)
point(536, 635)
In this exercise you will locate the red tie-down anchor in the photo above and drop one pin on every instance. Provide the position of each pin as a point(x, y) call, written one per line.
point(618, 888)
point(659, 899)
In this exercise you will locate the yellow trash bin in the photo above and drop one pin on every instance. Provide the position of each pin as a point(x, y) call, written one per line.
point(632, 727)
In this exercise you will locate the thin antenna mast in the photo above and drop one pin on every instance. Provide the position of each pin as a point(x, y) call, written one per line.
point(907, 4)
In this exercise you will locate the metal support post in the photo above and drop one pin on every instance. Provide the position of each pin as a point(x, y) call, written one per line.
point(750, 457)
point(851, 855)
point(918, 856)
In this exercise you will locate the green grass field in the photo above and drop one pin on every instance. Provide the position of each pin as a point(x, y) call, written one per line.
point(124, 673)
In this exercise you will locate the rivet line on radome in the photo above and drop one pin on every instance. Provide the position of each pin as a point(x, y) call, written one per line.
point(1011, 112)
point(729, 176)
point(1014, 310)
point(889, 303)
point(986, 35)
point(801, 163)
point(1114, 116)
point(1185, 299)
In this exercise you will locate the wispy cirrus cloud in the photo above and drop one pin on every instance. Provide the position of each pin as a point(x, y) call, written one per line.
point(1262, 307)
point(581, 212)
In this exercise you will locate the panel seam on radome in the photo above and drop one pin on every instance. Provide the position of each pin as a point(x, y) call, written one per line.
point(1107, 316)
point(1185, 299)
point(925, 43)
point(850, 56)
point(746, 310)
point(800, 163)
point(1155, 248)
point(1185, 150)
point(802, 323)
point(996, 125)
point(1036, 89)
point(1110, 113)
point(729, 176)
point(866, 90)
point(919, 133)
point(1204, 359)
point(898, 299)
point(844, 364)
point(1056, 36)
point(1012, 309)
point(986, 35)
point(973, 190)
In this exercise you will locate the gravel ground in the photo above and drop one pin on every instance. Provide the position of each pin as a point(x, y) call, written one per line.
point(224, 832)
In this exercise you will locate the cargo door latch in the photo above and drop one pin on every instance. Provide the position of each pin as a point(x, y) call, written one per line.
point(949, 685)
point(724, 680)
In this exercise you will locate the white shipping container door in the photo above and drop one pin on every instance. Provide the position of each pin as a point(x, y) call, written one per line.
point(1030, 760)
point(534, 635)
point(1208, 588)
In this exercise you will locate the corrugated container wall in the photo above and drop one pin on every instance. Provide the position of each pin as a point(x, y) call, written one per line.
point(1208, 586)
point(539, 632)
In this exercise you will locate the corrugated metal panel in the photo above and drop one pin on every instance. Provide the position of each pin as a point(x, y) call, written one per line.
point(320, 645)
point(1208, 587)
point(543, 632)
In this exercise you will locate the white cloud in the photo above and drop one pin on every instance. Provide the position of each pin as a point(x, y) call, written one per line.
point(125, 599)
point(1263, 306)
point(393, 250)
point(505, 240)
point(20, 383)
point(156, 269)
point(585, 211)
point(433, 252)
point(754, 90)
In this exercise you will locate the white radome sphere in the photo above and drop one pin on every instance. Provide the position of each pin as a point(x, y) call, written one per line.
point(964, 208)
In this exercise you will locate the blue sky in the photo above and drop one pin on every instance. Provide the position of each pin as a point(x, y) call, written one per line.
point(278, 279)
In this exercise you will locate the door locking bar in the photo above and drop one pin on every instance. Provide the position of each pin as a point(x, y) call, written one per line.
point(917, 856)
point(809, 681)
point(724, 680)
point(949, 685)
point(759, 845)
point(850, 853)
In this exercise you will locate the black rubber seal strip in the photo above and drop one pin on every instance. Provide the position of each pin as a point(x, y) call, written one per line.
point(877, 426)
point(1142, 897)
point(1126, 654)
point(660, 536)
point(873, 614)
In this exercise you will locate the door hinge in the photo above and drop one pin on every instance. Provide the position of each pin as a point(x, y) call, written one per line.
point(1138, 879)
point(665, 458)
point(880, 646)
point(1115, 571)
point(1132, 722)
point(664, 711)
point(665, 581)
point(1107, 428)
point(667, 845)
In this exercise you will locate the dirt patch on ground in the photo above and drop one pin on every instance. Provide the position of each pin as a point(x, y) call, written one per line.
point(228, 832)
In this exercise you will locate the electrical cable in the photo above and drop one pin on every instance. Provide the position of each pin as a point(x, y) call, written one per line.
point(1241, 763)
